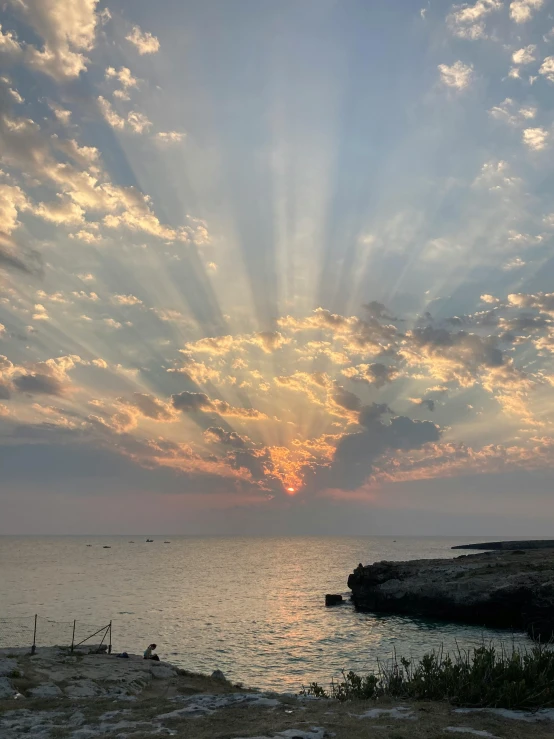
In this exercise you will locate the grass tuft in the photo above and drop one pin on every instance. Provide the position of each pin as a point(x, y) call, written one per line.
point(483, 677)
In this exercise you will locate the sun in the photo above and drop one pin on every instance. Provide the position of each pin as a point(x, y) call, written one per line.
point(290, 490)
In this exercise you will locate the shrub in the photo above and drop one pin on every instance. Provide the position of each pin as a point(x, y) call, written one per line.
point(483, 677)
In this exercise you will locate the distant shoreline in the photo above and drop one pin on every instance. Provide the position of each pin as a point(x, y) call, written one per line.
point(510, 545)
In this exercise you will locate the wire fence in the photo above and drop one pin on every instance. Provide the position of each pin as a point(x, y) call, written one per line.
point(35, 631)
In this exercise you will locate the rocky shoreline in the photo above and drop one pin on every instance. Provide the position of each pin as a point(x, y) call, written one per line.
point(58, 695)
point(509, 545)
point(507, 589)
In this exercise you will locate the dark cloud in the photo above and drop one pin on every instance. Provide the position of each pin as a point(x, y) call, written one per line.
point(380, 374)
point(356, 453)
point(471, 349)
point(377, 310)
point(38, 384)
point(346, 399)
point(428, 403)
point(28, 263)
point(229, 438)
point(190, 402)
point(524, 323)
point(149, 406)
point(5, 392)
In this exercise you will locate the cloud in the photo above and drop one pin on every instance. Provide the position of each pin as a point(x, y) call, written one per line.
point(123, 75)
point(514, 263)
point(111, 117)
point(86, 236)
point(126, 300)
point(356, 453)
point(466, 21)
point(112, 323)
point(12, 201)
point(138, 122)
point(170, 137)
point(68, 29)
point(458, 75)
point(149, 407)
point(429, 403)
point(357, 335)
point(199, 402)
point(36, 384)
point(543, 302)
point(509, 112)
point(9, 45)
point(486, 298)
point(62, 115)
point(522, 10)
point(526, 55)
point(547, 68)
point(535, 138)
point(143, 41)
point(215, 434)
point(40, 313)
point(61, 212)
point(190, 402)
point(377, 374)
point(451, 357)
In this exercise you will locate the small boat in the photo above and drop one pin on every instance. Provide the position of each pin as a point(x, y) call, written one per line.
point(131, 542)
point(106, 547)
point(150, 540)
point(89, 545)
point(167, 542)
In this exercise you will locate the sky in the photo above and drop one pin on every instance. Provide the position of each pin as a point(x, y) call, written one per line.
point(277, 267)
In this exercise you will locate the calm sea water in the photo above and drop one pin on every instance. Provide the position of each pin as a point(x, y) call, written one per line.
point(252, 607)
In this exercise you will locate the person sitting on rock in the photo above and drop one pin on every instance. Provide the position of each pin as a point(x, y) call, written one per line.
point(148, 653)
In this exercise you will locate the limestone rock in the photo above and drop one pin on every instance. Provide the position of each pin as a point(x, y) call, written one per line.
point(7, 667)
point(162, 672)
point(83, 689)
point(218, 675)
point(45, 690)
point(6, 690)
point(494, 589)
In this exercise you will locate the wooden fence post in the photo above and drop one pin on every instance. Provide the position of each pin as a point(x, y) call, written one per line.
point(34, 647)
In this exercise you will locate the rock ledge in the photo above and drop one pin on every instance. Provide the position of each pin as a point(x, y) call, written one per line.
point(512, 590)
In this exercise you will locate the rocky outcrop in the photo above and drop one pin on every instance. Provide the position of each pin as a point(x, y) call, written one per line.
point(513, 590)
point(510, 545)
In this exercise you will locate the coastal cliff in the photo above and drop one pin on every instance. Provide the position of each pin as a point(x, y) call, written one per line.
point(512, 590)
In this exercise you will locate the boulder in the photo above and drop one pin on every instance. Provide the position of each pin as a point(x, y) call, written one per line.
point(7, 666)
point(333, 599)
point(45, 690)
point(6, 689)
point(493, 589)
point(83, 689)
point(162, 672)
point(218, 675)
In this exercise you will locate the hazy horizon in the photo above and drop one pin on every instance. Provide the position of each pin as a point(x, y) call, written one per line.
point(277, 268)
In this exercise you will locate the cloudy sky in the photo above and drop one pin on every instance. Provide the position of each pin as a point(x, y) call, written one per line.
point(277, 267)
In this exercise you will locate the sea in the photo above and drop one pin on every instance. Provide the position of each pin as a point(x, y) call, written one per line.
point(251, 607)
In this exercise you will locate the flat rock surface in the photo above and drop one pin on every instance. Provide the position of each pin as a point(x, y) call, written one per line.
point(508, 589)
point(190, 706)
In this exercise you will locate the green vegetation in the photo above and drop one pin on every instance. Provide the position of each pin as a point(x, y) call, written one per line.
point(482, 677)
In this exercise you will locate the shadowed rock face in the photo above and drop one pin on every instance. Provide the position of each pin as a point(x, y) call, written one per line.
point(513, 590)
